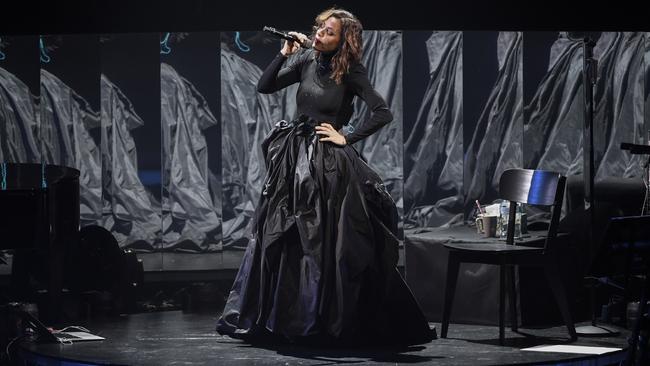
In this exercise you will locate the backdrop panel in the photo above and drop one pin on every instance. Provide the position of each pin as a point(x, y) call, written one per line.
point(19, 94)
point(433, 129)
point(70, 114)
point(191, 146)
point(496, 142)
point(131, 139)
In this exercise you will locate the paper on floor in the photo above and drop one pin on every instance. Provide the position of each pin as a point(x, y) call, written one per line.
point(587, 350)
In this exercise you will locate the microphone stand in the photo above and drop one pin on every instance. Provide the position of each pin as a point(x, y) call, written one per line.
point(589, 76)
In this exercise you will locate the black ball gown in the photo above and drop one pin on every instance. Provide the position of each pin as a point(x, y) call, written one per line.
point(321, 263)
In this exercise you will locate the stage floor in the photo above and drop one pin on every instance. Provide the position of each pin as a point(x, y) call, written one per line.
point(173, 337)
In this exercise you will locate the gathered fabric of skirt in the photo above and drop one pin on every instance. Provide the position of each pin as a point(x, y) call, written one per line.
point(323, 252)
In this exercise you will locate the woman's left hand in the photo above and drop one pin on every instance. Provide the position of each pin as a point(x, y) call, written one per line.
point(330, 134)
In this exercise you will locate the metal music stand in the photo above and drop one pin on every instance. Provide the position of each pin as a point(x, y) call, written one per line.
point(589, 76)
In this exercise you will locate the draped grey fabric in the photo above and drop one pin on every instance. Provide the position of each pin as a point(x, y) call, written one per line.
point(619, 110)
point(190, 217)
point(128, 210)
point(247, 116)
point(433, 151)
point(497, 140)
point(646, 63)
point(382, 56)
point(551, 136)
point(19, 122)
point(553, 131)
point(66, 119)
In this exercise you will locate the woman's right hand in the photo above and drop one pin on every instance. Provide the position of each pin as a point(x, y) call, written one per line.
point(291, 47)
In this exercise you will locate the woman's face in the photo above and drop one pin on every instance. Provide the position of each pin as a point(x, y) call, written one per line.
point(328, 36)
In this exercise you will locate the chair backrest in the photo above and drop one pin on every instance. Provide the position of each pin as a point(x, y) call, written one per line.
point(533, 187)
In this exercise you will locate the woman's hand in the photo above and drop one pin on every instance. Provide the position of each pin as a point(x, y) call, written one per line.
point(291, 47)
point(330, 134)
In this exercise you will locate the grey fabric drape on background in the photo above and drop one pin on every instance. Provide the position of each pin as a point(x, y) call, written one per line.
point(646, 63)
point(619, 116)
point(66, 119)
point(247, 116)
point(129, 211)
point(382, 56)
point(553, 131)
point(433, 151)
point(19, 121)
point(190, 217)
point(497, 140)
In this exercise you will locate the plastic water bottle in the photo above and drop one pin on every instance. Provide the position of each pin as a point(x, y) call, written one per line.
point(504, 211)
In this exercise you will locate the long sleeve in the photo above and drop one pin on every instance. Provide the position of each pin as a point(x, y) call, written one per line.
point(380, 114)
point(275, 77)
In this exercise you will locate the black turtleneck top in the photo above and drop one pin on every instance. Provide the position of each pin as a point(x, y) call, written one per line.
point(320, 98)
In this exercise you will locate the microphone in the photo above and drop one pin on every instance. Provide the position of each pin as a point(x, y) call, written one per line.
point(306, 44)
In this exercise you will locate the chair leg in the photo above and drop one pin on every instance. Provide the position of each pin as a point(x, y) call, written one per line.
point(554, 281)
point(512, 294)
point(502, 300)
point(450, 288)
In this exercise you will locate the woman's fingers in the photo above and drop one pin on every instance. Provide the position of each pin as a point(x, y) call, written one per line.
point(329, 134)
point(291, 47)
point(301, 37)
point(298, 35)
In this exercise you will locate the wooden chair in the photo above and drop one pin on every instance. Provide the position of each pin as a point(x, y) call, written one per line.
point(533, 187)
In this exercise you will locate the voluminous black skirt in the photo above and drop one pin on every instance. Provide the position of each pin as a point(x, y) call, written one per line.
point(321, 263)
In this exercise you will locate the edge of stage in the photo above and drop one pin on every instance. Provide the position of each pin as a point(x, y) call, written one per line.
point(189, 338)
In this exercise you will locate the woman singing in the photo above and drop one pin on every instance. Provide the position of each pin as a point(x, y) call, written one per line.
point(321, 263)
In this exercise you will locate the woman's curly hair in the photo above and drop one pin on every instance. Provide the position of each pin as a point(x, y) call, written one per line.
point(350, 49)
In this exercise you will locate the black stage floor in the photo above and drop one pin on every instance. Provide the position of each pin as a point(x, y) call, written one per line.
point(176, 338)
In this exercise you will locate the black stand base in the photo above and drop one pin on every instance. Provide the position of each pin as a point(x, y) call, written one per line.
point(597, 331)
